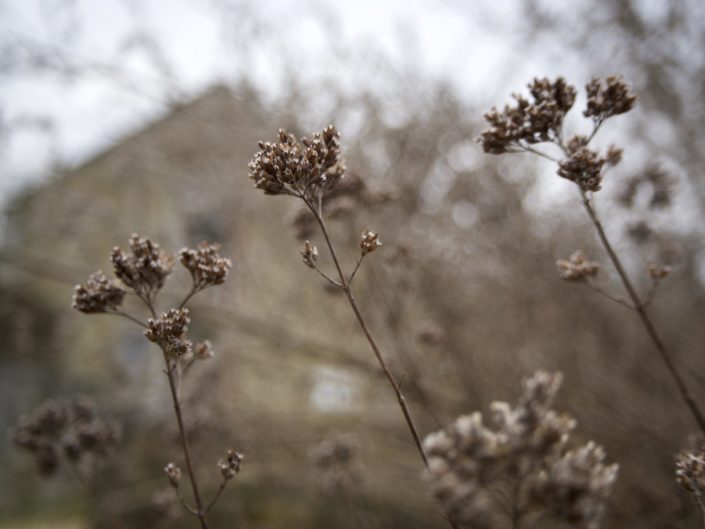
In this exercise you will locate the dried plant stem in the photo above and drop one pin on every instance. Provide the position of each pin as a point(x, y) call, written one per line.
point(640, 308)
point(200, 512)
point(345, 285)
point(104, 510)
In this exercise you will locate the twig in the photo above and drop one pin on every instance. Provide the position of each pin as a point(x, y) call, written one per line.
point(357, 266)
point(201, 514)
point(611, 297)
point(129, 317)
point(640, 308)
point(217, 495)
point(317, 212)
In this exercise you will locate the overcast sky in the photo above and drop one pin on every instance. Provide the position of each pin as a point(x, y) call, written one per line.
point(109, 82)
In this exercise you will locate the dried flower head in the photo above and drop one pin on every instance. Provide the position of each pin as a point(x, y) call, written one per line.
point(169, 332)
point(613, 156)
point(309, 254)
point(68, 428)
point(370, 242)
point(206, 265)
point(576, 485)
point(577, 268)
point(230, 466)
point(335, 459)
point(659, 271)
point(203, 350)
point(98, 294)
point(468, 459)
point(690, 467)
point(145, 269)
point(529, 122)
point(173, 473)
point(299, 168)
point(584, 167)
point(608, 97)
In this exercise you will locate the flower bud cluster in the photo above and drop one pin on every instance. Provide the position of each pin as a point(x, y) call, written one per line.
point(529, 122)
point(577, 268)
point(468, 459)
point(169, 332)
point(98, 294)
point(309, 254)
point(230, 466)
point(369, 242)
point(207, 266)
point(145, 269)
point(298, 167)
point(68, 428)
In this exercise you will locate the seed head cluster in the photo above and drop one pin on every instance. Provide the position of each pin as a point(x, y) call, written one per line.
point(577, 268)
point(173, 473)
point(690, 467)
point(145, 269)
point(525, 452)
point(608, 97)
point(309, 254)
point(69, 429)
point(369, 242)
point(529, 121)
point(230, 465)
point(206, 265)
point(98, 294)
point(300, 168)
point(169, 332)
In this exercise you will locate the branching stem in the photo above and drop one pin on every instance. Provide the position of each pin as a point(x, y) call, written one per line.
point(640, 308)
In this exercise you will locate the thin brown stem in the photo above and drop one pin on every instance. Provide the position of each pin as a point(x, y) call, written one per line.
point(357, 267)
point(191, 293)
point(317, 212)
point(324, 276)
point(128, 316)
point(201, 513)
point(608, 295)
point(217, 495)
point(104, 510)
point(640, 308)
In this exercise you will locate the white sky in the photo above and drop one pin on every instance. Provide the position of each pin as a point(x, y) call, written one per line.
point(204, 42)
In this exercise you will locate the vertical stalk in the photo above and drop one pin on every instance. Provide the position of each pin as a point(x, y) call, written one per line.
point(200, 512)
point(365, 329)
point(644, 317)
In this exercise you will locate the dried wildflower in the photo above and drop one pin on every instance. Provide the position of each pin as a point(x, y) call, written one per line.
point(98, 294)
point(203, 350)
point(299, 168)
point(575, 486)
point(169, 332)
point(659, 271)
point(173, 473)
point(335, 459)
point(577, 268)
point(206, 265)
point(145, 270)
point(370, 242)
point(584, 167)
point(230, 466)
point(608, 97)
point(71, 428)
point(468, 458)
point(690, 467)
point(309, 254)
point(613, 156)
point(527, 123)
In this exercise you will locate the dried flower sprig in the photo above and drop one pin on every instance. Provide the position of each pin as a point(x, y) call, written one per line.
point(310, 170)
point(520, 127)
point(68, 432)
point(690, 471)
point(145, 271)
point(523, 460)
